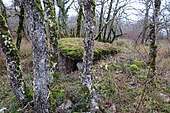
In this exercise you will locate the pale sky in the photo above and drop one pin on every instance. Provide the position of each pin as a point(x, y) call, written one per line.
point(70, 13)
point(135, 4)
point(7, 2)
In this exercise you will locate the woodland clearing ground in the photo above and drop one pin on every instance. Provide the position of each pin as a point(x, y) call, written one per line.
point(116, 86)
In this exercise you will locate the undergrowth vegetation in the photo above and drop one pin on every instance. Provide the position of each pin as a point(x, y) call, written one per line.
point(120, 81)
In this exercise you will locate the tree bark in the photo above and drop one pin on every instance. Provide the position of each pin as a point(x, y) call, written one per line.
point(89, 50)
point(79, 19)
point(20, 29)
point(153, 37)
point(49, 9)
point(36, 27)
point(14, 71)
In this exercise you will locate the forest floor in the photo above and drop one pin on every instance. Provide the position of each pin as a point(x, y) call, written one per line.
point(120, 81)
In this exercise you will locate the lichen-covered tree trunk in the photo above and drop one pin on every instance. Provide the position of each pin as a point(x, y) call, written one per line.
point(79, 19)
point(153, 37)
point(14, 71)
point(37, 33)
point(49, 8)
point(20, 29)
point(89, 14)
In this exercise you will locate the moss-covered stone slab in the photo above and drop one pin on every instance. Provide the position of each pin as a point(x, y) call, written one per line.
point(74, 48)
point(71, 50)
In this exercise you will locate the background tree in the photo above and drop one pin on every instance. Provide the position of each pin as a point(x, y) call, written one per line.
point(146, 19)
point(36, 27)
point(107, 18)
point(101, 16)
point(115, 12)
point(113, 28)
point(79, 18)
point(64, 6)
point(164, 18)
point(20, 30)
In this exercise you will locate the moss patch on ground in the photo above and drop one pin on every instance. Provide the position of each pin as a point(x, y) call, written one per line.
point(74, 48)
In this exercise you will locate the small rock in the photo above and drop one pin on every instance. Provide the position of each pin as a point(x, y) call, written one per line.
point(164, 97)
point(155, 111)
point(66, 105)
point(80, 65)
point(119, 72)
point(2, 110)
point(113, 108)
point(106, 67)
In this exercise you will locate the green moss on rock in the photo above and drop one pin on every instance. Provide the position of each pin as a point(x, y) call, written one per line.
point(134, 67)
point(74, 48)
point(138, 63)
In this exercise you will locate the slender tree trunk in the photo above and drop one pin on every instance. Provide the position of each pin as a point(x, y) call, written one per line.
point(14, 71)
point(113, 20)
point(36, 27)
point(64, 6)
point(89, 49)
point(49, 8)
point(20, 29)
point(107, 19)
point(79, 19)
point(147, 6)
point(101, 19)
point(64, 15)
point(153, 37)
